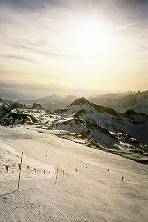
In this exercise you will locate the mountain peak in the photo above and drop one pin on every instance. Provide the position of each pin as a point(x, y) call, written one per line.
point(80, 101)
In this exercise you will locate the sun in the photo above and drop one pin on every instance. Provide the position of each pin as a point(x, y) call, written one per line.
point(89, 37)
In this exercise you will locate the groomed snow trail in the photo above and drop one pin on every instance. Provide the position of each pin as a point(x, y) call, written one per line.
point(91, 194)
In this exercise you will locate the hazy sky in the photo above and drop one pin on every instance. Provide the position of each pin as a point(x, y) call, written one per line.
point(79, 44)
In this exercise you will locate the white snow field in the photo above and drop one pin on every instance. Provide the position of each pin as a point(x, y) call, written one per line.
point(90, 193)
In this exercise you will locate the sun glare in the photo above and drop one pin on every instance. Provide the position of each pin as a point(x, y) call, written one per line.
point(89, 37)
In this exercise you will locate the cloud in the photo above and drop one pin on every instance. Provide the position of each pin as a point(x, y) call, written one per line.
point(28, 85)
point(133, 2)
point(38, 4)
point(126, 27)
point(29, 4)
point(45, 53)
point(22, 58)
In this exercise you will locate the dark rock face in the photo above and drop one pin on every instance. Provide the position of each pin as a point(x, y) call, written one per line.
point(11, 114)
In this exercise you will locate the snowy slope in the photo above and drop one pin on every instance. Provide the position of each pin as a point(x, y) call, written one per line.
point(91, 194)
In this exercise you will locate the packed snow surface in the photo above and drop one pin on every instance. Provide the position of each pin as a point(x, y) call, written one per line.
point(87, 187)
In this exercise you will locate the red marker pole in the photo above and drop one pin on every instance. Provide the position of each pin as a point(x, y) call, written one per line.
point(20, 170)
point(7, 168)
point(58, 169)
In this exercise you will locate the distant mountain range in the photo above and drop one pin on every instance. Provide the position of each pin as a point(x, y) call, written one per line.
point(121, 102)
point(51, 102)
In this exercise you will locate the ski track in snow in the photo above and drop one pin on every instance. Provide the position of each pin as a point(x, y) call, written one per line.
point(91, 194)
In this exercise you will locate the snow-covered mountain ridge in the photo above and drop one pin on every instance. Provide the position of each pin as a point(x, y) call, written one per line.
point(105, 126)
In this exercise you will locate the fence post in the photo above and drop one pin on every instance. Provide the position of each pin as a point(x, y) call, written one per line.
point(20, 170)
